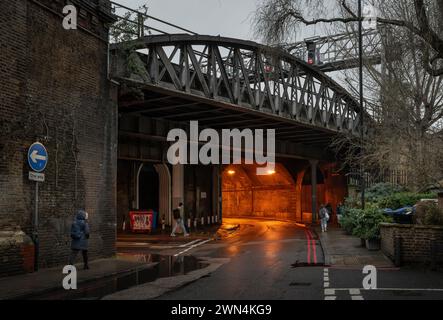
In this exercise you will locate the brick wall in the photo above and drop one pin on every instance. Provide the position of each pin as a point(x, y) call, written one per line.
point(55, 90)
point(415, 242)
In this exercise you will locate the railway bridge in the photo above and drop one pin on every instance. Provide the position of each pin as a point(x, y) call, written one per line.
point(168, 80)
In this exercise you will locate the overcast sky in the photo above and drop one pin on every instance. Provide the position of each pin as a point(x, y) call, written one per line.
point(230, 18)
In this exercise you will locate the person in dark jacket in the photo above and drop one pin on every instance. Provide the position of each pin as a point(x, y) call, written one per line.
point(80, 236)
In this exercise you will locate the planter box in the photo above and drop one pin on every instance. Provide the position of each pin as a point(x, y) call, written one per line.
point(363, 243)
point(411, 243)
point(373, 244)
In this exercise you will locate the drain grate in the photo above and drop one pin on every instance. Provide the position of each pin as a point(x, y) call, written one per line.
point(300, 284)
point(305, 264)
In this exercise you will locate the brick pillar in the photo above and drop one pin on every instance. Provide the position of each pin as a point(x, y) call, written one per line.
point(314, 164)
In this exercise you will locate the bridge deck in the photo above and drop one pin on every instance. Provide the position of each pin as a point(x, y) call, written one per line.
point(176, 106)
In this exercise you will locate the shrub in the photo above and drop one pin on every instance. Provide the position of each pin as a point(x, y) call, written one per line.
point(382, 190)
point(428, 213)
point(350, 219)
point(368, 223)
point(403, 199)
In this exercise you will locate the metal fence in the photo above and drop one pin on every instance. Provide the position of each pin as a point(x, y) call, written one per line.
point(394, 177)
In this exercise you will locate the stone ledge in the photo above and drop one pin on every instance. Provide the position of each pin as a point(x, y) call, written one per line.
point(411, 226)
point(14, 238)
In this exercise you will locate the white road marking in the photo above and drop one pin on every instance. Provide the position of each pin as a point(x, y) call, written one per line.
point(189, 243)
point(192, 247)
point(132, 244)
point(354, 292)
point(326, 285)
point(331, 298)
point(357, 298)
point(329, 292)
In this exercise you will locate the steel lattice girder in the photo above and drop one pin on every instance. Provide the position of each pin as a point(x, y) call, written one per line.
point(239, 73)
point(338, 52)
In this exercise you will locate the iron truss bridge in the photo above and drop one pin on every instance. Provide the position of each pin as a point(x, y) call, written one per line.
point(230, 83)
point(338, 52)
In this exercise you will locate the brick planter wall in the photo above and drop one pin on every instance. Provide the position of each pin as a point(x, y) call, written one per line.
point(17, 253)
point(416, 242)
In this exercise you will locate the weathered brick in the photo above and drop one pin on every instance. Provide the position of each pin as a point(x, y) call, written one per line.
point(55, 89)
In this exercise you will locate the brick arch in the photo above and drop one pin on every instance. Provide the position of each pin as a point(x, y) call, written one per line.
point(332, 191)
point(245, 194)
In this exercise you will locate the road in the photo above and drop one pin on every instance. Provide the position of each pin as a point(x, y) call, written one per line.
point(274, 260)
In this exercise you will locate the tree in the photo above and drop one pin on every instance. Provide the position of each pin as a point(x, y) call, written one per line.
point(275, 19)
point(406, 104)
point(403, 96)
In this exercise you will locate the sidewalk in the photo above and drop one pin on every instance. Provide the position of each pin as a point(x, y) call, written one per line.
point(48, 282)
point(159, 236)
point(341, 250)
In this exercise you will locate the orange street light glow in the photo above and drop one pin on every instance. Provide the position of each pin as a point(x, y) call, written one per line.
point(231, 172)
point(270, 172)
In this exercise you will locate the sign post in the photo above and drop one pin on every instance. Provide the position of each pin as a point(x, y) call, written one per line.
point(37, 160)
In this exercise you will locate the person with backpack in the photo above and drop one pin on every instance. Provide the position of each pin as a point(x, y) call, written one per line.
point(179, 218)
point(80, 237)
point(324, 218)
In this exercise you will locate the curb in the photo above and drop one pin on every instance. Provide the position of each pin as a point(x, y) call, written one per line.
point(324, 247)
point(162, 286)
point(41, 293)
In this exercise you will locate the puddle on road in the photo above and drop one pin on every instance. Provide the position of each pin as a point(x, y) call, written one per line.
point(167, 266)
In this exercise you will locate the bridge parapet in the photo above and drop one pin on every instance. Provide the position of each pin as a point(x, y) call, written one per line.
point(238, 73)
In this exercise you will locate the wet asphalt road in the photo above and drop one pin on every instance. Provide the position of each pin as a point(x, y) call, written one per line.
point(272, 260)
point(268, 261)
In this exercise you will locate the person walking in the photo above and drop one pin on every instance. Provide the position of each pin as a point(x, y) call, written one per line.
point(80, 236)
point(324, 218)
point(340, 211)
point(179, 218)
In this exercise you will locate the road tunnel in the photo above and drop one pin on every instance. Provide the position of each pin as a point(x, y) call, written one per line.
point(285, 193)
point(246, 194)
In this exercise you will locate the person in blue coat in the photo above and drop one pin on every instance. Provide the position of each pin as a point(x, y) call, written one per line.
point(80, 236)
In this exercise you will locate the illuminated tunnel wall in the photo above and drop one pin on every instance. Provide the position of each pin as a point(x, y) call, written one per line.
point(282, 195)
point(247, 194)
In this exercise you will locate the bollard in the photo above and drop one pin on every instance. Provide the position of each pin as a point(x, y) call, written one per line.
point(397, 251)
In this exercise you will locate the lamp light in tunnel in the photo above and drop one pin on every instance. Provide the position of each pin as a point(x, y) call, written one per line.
point(271, 172)
point(231, 172)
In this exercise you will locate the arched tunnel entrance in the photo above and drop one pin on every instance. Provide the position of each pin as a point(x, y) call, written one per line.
point(246, 194)
point(284, 194)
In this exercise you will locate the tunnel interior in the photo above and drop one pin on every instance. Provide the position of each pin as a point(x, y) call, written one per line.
point(283, 194)
point(246, 194)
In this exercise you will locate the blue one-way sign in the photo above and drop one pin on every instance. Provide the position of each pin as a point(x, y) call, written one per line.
point(37, 157)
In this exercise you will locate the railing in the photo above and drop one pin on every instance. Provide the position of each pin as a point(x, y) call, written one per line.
point(394, 177)
point(337, 52)
point(133, 24)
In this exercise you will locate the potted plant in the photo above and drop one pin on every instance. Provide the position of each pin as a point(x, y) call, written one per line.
point(368, 227)
point(349, 220)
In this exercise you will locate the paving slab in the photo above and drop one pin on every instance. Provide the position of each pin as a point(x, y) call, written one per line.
point(161, 286)
point(32, 285)
point(341, 250)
